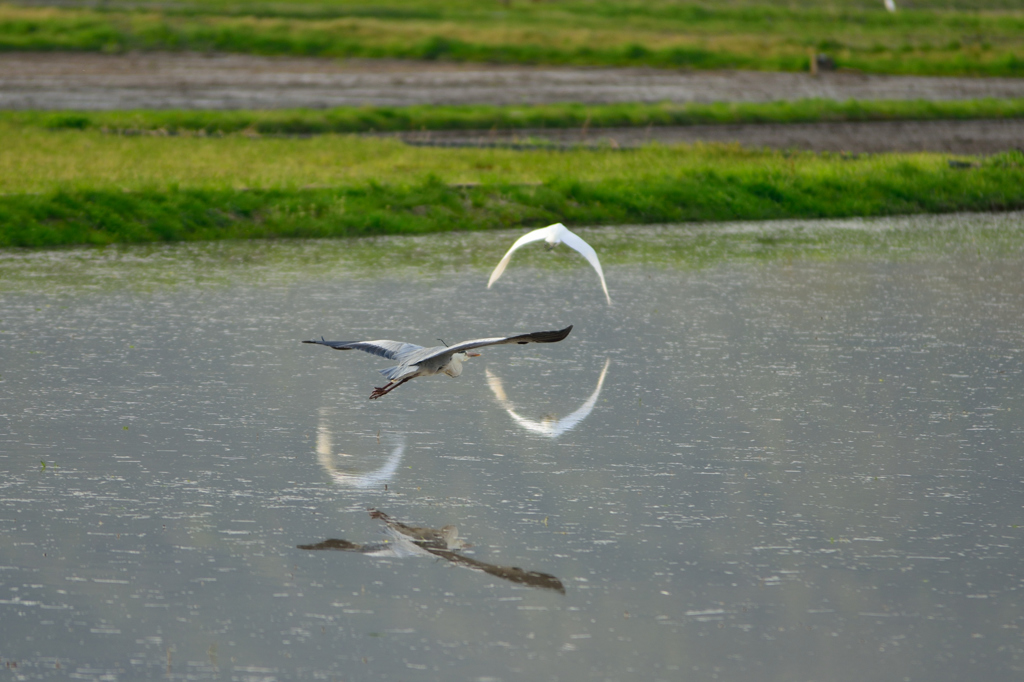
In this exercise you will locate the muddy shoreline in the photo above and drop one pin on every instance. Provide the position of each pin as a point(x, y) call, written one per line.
point(951, 137)
point(94, 82)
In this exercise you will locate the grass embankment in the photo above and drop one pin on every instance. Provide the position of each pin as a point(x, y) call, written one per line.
point(477, 117)
point(85, 187)
point(931, 38)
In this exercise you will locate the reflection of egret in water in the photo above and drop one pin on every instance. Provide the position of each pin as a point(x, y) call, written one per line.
point(548, 426)
point(343, 475)
point(405, 541)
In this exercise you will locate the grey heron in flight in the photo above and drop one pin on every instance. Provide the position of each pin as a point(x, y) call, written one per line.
point(554, 235)
point(417, 361)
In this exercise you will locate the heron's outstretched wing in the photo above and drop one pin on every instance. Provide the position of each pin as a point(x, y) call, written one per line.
point(409, 355)
point(532, 337)
point(392, 350)
point(534, 236)
point(576, 242)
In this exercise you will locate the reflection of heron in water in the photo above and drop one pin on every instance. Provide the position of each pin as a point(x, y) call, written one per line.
point(405, 541)
point(330, 461)
point(548, 426)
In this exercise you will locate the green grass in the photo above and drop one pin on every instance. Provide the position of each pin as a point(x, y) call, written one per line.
point(84, 187)
point(476, 117)
point(931, 38)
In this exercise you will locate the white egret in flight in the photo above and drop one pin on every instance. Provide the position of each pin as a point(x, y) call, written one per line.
point(554, 235)
point(417, 361)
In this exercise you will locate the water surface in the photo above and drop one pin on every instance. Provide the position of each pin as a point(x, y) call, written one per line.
point(787, 451)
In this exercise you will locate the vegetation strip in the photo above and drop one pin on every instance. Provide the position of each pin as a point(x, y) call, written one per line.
point(481, 117)
point(929, 39)
point(86, 187)
point(731, 192)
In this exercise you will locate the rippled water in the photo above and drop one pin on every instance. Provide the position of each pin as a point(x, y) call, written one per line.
point(786, 451)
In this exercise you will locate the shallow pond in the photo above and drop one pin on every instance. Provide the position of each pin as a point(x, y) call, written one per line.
point(786, 451)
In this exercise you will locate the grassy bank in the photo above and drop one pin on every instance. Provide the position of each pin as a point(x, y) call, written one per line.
point(929, 39)
point(477, 117)
point(110, 216)
point(68, 187)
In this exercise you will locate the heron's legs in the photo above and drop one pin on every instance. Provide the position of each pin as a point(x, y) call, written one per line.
point(384, 390)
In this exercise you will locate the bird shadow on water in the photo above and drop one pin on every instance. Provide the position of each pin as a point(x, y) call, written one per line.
point(403, 541)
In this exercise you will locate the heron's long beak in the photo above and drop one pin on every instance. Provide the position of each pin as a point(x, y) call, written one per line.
point(473, 355)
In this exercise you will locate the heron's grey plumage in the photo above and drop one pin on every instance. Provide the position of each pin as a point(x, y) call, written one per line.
point(392, 350)
point(416, 360)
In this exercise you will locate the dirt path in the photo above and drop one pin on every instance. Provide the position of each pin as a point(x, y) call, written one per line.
point(192, 81)
point(951, 137)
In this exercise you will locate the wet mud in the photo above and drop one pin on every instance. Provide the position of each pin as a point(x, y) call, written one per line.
point(52, 81)
point(951, 137)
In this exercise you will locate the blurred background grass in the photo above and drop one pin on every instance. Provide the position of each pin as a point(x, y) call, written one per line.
point(37, 161)
point(84, 186)
point(485, 117)
point(102, 177)
point(985, 37)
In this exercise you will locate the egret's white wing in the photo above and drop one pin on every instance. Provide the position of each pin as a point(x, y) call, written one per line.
point(576, 242)
point(535, 236)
